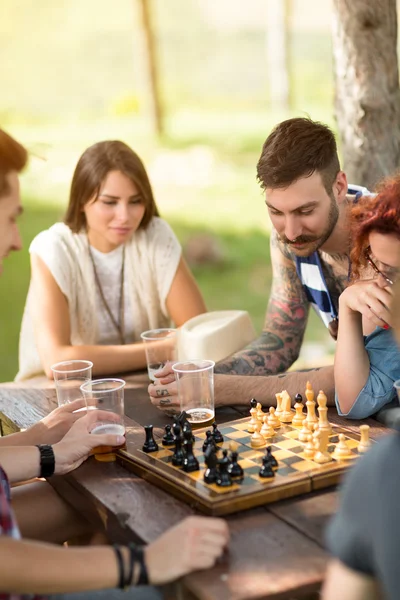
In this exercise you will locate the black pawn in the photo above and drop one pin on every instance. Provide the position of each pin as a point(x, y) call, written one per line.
point(150, 444)
point(271, 457)
point(209, 440)
point(190, 462)
point(253, 403)
point(234, 469)
point(211, 460)
point(217, 435)
point(266, 470)
point(298, 398)
point(178, 455)
point(224, 479)
point(168, 438)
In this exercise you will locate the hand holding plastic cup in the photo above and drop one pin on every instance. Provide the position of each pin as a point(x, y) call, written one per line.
point(195, 380)
point(69, 376)
point(160, 347)
point(107, 397)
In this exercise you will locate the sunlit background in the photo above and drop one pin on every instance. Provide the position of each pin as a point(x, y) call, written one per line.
point(75, 73)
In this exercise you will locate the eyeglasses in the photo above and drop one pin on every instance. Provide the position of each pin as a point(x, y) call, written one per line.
point(367, 255)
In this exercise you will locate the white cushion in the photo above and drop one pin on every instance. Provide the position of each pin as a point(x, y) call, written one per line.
point(215, 335)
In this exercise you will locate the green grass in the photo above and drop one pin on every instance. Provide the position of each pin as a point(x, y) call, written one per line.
point(241, 281)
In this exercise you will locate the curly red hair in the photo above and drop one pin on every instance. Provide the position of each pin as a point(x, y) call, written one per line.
point(380, 213)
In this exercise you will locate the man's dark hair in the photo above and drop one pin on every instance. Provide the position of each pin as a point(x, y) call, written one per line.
point(297, 148)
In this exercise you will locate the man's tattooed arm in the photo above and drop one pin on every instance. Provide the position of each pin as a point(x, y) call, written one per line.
point(279, 344)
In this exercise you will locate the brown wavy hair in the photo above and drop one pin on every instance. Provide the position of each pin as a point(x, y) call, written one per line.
point(92, 169)
point(297, 148)
point(380, 213)
point(13, 157)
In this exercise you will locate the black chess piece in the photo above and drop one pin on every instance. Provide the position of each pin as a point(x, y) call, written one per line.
point(168, 438)
point(178, 455)
point(150, 444)
point(253, 403)
point(217, 435)
point(299, 398)
point(224, 478)
point(187, 427)
point(271, 457)
point(234, 469)
point(209, 440)
point(211, 460)
point(266, 470)
point(190, 462)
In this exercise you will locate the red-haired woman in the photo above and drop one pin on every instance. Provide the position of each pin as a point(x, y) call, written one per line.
point(367, 360)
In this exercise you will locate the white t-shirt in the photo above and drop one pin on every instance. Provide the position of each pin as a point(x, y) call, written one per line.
point(151, 260)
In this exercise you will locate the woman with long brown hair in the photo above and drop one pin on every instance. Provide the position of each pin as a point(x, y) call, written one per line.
point(112, 270)
point(367, 360)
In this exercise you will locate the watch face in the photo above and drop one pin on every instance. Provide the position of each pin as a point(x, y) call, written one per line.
point(333, 328)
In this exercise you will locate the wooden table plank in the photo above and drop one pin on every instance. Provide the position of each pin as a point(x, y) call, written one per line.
point(308, 514)
point(267, 559)
point(274, 554)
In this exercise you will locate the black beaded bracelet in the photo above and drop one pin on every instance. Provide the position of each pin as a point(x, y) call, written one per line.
point(47, 460)
point(121, 570)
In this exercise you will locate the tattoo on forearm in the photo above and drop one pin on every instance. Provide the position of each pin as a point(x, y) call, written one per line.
point(279, 345)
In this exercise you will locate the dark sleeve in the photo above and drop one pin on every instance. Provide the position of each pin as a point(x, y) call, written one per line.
point(354, 533)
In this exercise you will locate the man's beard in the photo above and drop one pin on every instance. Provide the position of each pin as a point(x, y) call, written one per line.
point(313, 243)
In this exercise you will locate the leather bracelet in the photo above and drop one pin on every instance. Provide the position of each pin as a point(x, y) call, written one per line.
point(132, 561)
point(47, 460)
point(139, 556)
point(121, 570)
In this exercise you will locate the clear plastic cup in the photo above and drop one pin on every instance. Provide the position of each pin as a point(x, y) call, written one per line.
point(195, 380)
point(107, 397)
point(160, 347)
point(69, 376)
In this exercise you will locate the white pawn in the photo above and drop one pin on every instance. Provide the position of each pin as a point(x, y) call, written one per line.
point(273, 419)
point(257, 439)
point(309, 450)
point(322, 456)
point(342, 450)
point(266, 430)
point(365, 442)
point(305, 432)
point(299, 416)
point(253, 421)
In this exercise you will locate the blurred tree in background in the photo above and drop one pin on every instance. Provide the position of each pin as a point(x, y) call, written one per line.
point(367, 87)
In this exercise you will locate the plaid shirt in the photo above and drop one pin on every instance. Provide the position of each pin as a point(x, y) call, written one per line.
point(9, 527)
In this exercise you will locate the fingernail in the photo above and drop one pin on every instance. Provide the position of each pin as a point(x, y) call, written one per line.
point(120, 440)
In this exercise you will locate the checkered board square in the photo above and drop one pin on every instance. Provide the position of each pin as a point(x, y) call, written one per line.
point(295, 474)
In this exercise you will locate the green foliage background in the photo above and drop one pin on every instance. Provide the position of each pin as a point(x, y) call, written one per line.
point(70, 76)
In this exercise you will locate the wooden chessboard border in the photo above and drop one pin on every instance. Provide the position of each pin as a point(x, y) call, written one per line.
point(183, 485)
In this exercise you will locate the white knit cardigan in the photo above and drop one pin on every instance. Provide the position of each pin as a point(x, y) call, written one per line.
point(152, 257)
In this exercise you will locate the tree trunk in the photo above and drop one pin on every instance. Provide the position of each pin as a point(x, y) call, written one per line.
point(367, 99)
point(146, 66)
point(277, 50)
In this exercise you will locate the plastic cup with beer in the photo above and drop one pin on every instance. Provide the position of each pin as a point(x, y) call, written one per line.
point(107, 397)
point(160, 347)
point(69, 376)
point(195, 380)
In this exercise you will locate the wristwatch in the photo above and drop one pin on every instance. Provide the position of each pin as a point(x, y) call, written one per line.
point(47, 460)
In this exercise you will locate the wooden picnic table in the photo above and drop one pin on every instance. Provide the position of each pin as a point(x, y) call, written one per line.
point(276, 551)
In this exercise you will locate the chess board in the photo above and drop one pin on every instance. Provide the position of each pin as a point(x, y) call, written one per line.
point(294, 476)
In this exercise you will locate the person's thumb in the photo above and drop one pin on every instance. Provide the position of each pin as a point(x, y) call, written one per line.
point(166, 370)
